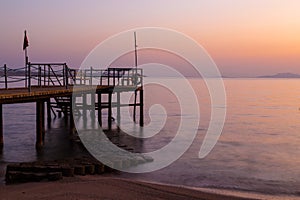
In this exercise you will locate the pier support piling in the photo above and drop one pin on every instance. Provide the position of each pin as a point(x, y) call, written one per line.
point(1, 126)
point(43, 121)
point(72, 124)
point(48, 110)
point(99, 109)
point(134, 106)
point(118, 109)
point(141, 107)
point(39, 124)
point(84, 109)
point(92, 111)
point(109, 110)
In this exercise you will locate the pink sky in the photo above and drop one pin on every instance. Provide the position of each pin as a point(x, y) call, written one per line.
point(245, 38)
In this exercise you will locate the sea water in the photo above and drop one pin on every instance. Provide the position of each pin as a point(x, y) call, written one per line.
point(258, 150)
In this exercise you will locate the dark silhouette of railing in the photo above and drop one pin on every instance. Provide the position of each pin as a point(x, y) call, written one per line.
point(59, 74)
point(110, 77)
point(38, 74)
point(8, 75)
point(56, 74)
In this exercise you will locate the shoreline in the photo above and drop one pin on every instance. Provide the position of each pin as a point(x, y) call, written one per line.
point(109, 187)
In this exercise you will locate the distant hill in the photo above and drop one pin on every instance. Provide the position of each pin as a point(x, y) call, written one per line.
point(281, 75)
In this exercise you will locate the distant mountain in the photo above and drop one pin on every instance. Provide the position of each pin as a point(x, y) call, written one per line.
point(281, 75)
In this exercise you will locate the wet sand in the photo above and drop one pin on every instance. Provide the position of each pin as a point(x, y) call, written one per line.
point(98, 187)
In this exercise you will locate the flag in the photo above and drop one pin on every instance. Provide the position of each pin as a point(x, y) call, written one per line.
point(25, 43)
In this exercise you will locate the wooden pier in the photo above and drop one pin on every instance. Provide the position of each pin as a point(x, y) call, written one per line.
point(55, 85)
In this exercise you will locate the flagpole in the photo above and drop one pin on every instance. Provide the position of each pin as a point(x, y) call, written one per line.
point(25, 45)
point(26, 60)
point(26, 57)
point(135, 50)
point(136, 63)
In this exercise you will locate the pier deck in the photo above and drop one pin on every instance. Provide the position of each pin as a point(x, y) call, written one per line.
point(21, 95)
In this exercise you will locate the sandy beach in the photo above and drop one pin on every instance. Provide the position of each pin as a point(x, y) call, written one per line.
point(97, 187)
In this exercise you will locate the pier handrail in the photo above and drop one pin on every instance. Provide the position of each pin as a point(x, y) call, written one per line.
point(10, 75)
point(37, 74)
point(59, 74)
point(111, 76)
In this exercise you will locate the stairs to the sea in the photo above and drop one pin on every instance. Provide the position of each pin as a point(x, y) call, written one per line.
point(62, 105)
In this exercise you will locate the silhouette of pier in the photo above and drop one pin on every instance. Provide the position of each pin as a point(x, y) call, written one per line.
point(57, 86)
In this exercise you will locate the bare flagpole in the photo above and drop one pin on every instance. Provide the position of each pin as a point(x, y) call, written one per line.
point(135, 50)
point(136, 63)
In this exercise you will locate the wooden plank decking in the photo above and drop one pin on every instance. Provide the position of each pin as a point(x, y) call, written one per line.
point(21, 95)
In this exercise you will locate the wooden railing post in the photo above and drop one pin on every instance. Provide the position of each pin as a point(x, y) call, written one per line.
point(29, 77)
point(39, 76)
point(81, 76)
point(91, 76)
point(67, 76)
point(49, 74)
point(84, 76)
point(101, 74)
point(141, 77)
point(108, 76)
point(63, 75)
point(109, 110)
point(26, 71)
point(114, 74)
point(5, 75)
point(44, 75)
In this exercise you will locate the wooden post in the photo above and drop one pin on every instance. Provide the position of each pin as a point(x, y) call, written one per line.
point(26, 71)
point(39, 76)
point(141, 106)
point(135, 51)
point(43, 120)
point(39, 124)
point(49, 77)
point(84, 104)
point(84, 110)
point(84, 76)
point(114, 75)
point(5, 76)
point(44, 75)
point(108, 76)
point(1, 126)
point(67, 75)
point(118, 109)
point(29, 78)
point(93, 100)
point(99, 109)
point(91, 76)
point(49, 113)
point(26, 65)
point(134, 106)
point(66, 107)
point(72, 124)
point(109, 110)
point(63, 75)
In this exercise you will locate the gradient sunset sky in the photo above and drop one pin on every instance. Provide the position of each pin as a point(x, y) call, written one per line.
point(244, 37)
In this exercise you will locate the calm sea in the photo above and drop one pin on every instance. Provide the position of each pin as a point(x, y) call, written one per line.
point(259, 149)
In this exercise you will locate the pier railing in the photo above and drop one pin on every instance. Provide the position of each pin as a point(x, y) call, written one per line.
point(110, 77)
point(50, 74)
point(59, 74)
point(37, 74)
